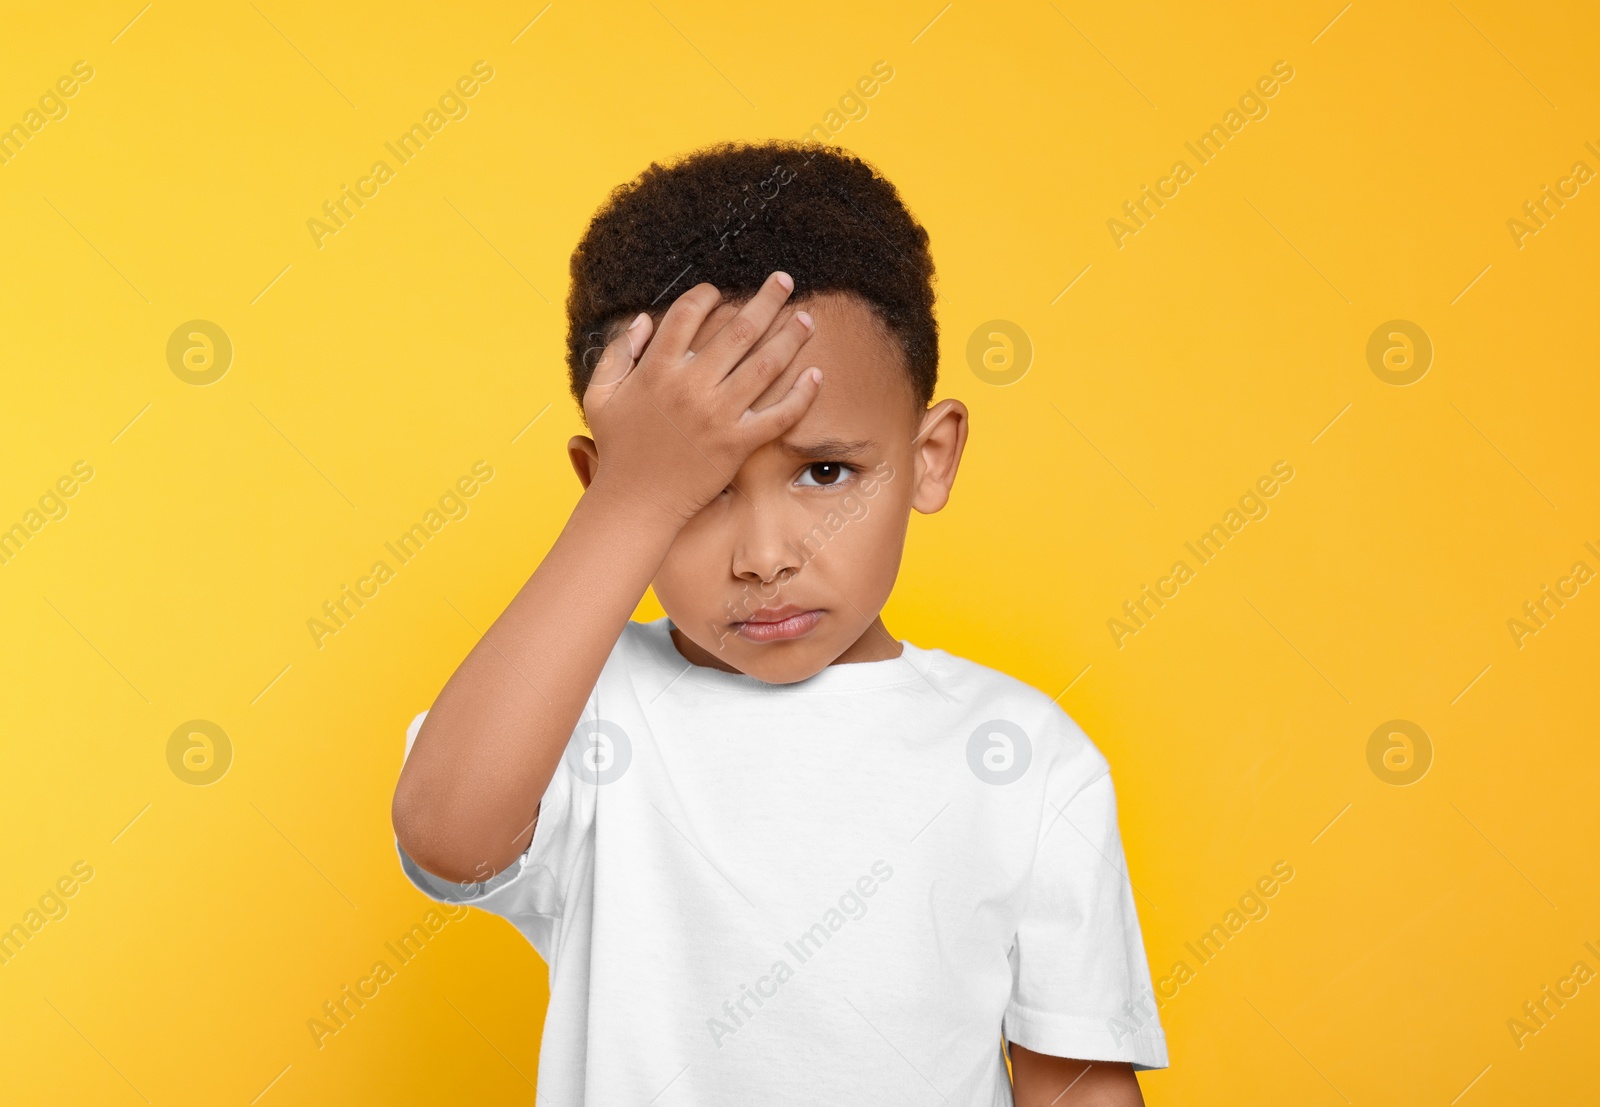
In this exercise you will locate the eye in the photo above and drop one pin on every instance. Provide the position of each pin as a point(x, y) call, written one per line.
point(821, 474)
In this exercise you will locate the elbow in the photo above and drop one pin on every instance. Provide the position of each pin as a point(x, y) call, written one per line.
point(406, 815)
point(407, 811)
point(428, 840)
point(416, 833)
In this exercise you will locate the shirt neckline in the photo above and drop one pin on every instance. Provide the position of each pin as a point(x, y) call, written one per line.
point(909, 668)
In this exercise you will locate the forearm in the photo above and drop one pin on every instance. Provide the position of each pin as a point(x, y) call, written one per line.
point(1040, 1080)
point(465, 802)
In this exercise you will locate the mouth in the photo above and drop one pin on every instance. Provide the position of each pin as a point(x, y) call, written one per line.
point(777, 624)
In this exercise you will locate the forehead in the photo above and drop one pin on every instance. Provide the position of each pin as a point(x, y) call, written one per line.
point(866, 386)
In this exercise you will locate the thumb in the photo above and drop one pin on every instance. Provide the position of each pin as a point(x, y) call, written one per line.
point(619, 356)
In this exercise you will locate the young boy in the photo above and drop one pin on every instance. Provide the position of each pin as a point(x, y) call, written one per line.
point(771, 853)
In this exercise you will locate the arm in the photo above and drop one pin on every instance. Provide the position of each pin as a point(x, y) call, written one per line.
point(1040, 1080)
point(669, 431)
point(465, 804)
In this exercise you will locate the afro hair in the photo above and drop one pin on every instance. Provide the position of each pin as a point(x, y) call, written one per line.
point(732, 213)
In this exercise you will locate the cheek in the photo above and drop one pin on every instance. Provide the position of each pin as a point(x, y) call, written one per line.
point(865, 554)
point(685, 570)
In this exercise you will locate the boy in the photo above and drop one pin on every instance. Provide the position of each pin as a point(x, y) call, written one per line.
point(770, 853)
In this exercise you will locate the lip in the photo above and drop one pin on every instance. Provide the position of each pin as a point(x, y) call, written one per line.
point(777, 624)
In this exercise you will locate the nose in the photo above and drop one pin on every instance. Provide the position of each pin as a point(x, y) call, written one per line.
point(763, 552)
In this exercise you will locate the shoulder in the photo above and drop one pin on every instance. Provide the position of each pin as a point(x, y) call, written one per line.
point(994, 699)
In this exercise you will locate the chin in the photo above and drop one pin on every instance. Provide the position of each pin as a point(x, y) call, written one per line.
point(766, 666)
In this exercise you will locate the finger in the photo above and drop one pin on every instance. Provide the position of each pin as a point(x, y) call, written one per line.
point(768, 361)
point(638, 333)
point(684, 318)
point(775, 419)
point(718, 357)
point(620, 355)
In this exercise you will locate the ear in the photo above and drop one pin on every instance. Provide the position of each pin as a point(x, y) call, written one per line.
point(585, 458)
point(937, 452)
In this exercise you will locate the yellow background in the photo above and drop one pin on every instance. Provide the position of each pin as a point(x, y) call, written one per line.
point(1225, 336)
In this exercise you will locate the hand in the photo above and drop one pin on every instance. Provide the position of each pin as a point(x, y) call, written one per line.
point(672, 426)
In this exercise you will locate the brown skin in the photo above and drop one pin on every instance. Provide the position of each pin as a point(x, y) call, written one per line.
point(716, 453)
point(746, 549)
point(1040, 1080)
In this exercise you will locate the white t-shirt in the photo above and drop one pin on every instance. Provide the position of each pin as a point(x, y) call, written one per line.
point(839, 891)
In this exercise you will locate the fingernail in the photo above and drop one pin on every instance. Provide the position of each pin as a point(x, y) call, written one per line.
point(816, 375)
point(785, 280)
point(633, 326)
point(805, 320)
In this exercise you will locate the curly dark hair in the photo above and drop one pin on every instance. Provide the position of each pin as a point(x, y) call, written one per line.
point(732, 213)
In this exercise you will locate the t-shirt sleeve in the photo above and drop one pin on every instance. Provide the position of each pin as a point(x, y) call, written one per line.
point(531, 892)
point(1080, 980)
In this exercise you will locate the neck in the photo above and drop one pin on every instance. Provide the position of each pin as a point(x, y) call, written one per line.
point(875, 644)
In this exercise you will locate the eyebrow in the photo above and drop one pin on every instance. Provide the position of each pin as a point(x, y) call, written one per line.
point(828, 447)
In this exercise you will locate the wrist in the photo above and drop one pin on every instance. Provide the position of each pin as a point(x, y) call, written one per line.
point(629, 503)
